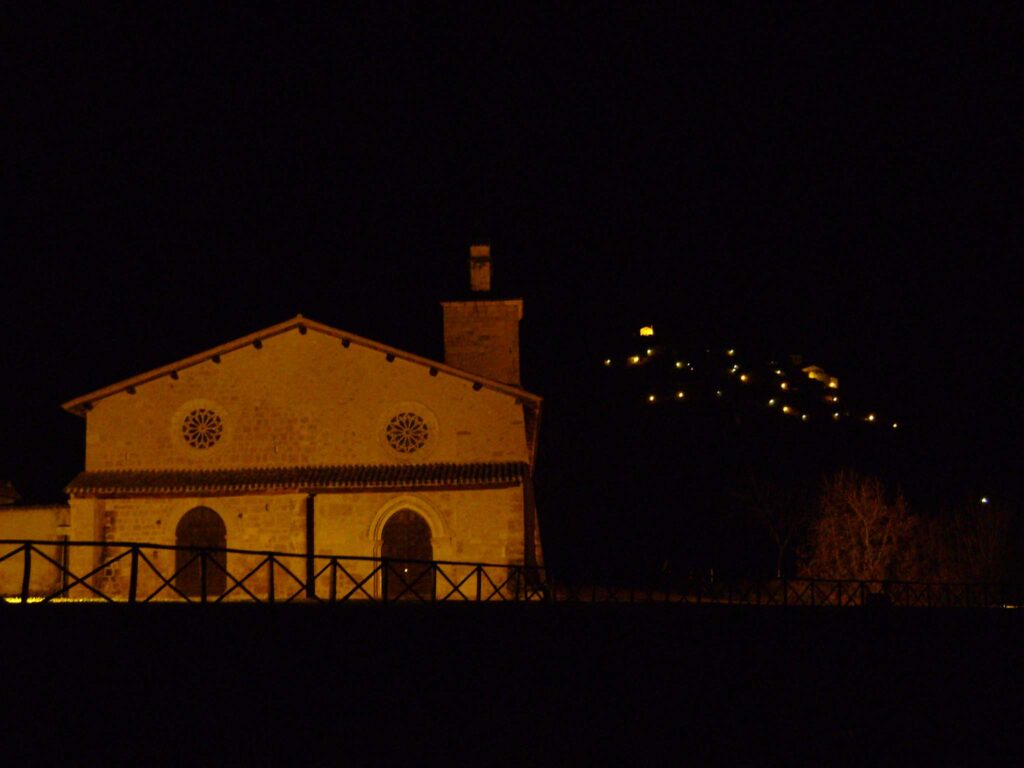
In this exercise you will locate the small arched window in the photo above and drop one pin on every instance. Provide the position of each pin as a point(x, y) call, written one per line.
point(201, 535)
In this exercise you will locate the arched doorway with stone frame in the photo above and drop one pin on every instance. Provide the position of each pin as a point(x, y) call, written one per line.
point(406, 532)
point(200, 530)
point(405, 546)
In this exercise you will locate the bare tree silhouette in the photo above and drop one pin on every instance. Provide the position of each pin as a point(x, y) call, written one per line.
point(859, 533)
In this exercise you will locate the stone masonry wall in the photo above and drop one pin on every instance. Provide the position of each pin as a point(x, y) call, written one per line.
point(483, 337)
point(468, 525)
point(302, 399)
point(36, 523)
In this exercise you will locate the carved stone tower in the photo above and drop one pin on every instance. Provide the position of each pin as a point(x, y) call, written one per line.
point(481, 334)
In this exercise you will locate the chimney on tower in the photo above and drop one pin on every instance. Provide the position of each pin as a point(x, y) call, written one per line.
point(7, 493)
point(482, 335)
point(479, 268)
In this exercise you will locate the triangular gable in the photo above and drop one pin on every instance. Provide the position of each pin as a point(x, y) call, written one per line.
point(304, 325)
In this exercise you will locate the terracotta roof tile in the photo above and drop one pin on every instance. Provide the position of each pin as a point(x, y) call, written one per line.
point(313, 478)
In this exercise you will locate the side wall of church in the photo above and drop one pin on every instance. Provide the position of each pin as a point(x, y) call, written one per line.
point(481, 525)
point(36, 524)
point(302, 399)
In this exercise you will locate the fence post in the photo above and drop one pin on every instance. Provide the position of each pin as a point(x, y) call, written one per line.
point(270, 579)
point(334, 580)
point(785, 591)
point(133, 576)
point(479, 584)
point(65, 561)
point(26, 576)
point(384, 580)
point(839, 594)
point(202, 574)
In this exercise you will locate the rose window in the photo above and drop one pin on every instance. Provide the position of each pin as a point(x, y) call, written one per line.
point(407, 432)
point(202, 428)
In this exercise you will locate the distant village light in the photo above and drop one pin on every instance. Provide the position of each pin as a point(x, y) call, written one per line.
point(608, 361)
point(730, 352)
point(784, 385)
point(871, 417)
point(786, 409)
point(650, 351)
point(771, 401)
point(744, 378)
point(634, 359)
point(651, 398)
point(680, 395)
point(984, 499)
point(836, 415)
point(647, 330)
point(679, 363)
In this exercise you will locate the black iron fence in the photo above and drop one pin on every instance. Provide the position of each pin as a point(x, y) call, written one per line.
point(47, 571)
point(133, 572)
point(802, 592)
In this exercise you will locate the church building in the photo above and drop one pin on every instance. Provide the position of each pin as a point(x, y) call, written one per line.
point(307, 439)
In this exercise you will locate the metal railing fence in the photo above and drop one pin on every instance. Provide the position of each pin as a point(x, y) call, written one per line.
point(796, 592)
point(134, 572)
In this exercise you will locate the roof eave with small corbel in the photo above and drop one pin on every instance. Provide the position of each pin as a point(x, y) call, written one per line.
point(80, 405)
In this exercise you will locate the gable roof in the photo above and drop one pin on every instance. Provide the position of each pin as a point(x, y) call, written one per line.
point(80, 405)
point(83, 403)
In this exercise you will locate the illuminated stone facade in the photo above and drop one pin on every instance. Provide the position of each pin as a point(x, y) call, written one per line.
point(304, 439)
point(301, 438)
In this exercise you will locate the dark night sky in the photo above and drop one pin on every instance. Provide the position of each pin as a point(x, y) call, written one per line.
point(835, 182)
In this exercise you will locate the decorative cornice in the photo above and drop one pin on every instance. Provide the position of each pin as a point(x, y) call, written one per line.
point(346, 477)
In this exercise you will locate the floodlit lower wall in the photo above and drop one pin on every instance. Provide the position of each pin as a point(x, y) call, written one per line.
point(37, 524)
point(475, 526)
point(481, 525)
point(266, 523)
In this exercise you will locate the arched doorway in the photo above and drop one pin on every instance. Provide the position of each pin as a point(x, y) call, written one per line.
point(200, 529)
point(406, 538)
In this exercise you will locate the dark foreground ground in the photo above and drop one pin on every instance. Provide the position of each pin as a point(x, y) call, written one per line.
point(535, 684)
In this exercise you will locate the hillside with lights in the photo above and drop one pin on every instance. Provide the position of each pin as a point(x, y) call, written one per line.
point(666, 375)
point(677, 434)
